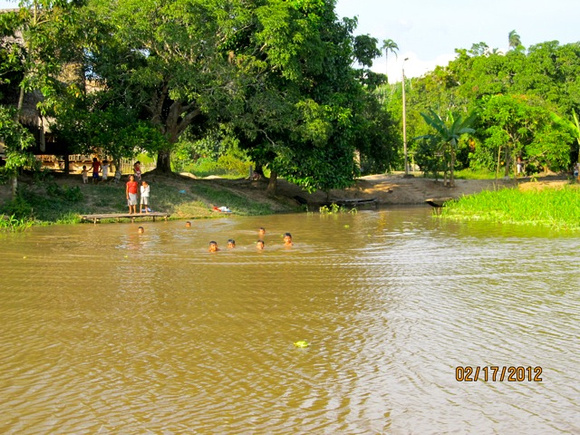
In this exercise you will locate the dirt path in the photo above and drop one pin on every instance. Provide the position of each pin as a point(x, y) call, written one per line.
point(397, 190)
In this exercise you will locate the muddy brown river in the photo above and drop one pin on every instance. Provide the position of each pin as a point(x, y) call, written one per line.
point(107, 331)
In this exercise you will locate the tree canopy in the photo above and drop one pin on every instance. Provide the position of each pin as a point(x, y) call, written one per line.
point(523, 101)
point(283, 75)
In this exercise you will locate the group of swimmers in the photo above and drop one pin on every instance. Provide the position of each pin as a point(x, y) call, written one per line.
point(260, 245)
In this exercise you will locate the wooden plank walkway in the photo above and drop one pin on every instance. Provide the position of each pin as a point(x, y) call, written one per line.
point(97, 217)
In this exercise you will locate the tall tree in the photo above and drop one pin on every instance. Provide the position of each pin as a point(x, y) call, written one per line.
point(514, 41)
point(389, 45)
point(301, 111)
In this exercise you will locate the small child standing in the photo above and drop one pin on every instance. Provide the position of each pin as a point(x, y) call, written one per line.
point(137, 169)
point(85, 174)
point(145, 189)
point(105, 170)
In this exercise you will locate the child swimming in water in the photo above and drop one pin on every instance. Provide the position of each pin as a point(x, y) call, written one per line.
point(231, 243)
point(287, 239)
point(260, 244)
point(213, 246)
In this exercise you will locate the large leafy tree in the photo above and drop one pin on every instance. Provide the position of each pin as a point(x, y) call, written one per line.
point(519, 127)
point(164, 60)
point(302, 106)
point(37, 44)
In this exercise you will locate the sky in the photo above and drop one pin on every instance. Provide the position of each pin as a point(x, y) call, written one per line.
point(428, 31)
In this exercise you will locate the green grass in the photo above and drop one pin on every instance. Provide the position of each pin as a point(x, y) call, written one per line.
point(48, 202)
point(238, 204)
point(555, 208)
point(474, 174)
point(13, 224)
point(225, 167)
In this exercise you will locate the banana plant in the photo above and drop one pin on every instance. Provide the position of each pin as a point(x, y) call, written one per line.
point(448, 131)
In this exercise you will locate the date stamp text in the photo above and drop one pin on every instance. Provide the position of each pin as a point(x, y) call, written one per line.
point(498, 374)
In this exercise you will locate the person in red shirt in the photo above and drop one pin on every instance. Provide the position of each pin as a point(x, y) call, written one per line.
point(96, 169)
point(131, 191)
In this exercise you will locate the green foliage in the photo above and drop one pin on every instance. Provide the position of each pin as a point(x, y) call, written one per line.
point(336, 209)
point(474, 174)
point(215, 154)
point(556, 208)
point(448, 133)
point(518, 127)
point(66, 193)
point(522, 101)
point(429, 157)
point(18, 207)
point(365, 49)
point(13, 224)
point(17, 140)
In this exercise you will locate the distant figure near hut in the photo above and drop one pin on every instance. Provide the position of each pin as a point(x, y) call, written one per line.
point(137, 169)
point(520, 166)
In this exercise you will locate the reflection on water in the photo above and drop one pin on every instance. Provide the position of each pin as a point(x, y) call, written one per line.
point(108, 331)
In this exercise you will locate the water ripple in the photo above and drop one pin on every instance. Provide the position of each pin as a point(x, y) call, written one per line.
point(156, 335)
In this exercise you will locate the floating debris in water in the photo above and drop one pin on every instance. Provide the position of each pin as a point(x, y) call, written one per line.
point(301, 343)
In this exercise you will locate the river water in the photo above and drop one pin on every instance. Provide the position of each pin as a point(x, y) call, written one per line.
point(104, 330)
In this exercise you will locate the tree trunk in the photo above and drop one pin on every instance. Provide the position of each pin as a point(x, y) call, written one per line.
point(259, 170)
point(273, 183)
point(507, 162)
point(498, 163)
point(14, 177)
point(164, 161)
point(14, 181)
point(451, 178)
point(66, 164)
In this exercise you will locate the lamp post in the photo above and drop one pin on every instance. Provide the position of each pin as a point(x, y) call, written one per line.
point(405, 121)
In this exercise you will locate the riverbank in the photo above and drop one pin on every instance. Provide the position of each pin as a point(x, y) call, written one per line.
point(556, 207)
point(62, 199)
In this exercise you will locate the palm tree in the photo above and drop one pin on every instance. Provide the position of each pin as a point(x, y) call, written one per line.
point(447, 133)
point(514, 40)
point(389, 45)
